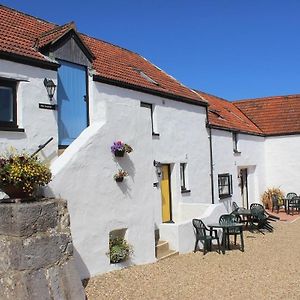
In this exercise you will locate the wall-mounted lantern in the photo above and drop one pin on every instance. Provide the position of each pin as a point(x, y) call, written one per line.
point(157, 165)
point(50, 87)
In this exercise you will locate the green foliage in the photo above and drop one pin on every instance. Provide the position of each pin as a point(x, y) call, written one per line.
point(119, 250)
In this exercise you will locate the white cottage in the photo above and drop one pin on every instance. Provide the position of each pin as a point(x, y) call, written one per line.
point(104, 93)
point(193, 153)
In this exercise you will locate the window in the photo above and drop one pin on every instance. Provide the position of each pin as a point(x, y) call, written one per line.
point(145, 76)
point(235, 142)
point(8, 104)
point(225, 185)
point(150, 107)
point(183, 181)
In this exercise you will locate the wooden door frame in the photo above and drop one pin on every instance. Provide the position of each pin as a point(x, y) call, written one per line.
point(246, 186)
point(170, 194)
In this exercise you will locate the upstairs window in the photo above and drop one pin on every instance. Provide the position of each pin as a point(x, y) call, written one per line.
point(151, 109)
point(235, 142)
point(8, 103)
point(225, 185)
point(183, 179)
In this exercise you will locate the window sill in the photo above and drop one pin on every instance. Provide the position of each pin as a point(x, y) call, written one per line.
point(14, 129)
point(185, 191)
point(225, 196)
point(155, 134)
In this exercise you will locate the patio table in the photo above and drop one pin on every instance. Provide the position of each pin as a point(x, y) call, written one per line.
point(225, 228)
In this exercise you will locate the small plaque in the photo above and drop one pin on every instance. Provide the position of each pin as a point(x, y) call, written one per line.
point(47, 106)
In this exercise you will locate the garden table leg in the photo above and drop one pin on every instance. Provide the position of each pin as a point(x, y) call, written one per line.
point(242, 240)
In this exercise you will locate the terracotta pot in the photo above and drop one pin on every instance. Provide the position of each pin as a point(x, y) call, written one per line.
point(15, 191)
point(120, 153)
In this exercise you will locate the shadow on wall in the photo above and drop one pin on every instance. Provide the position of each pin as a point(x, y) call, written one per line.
point(126, 164)
point(81, 268)
point(227, 202)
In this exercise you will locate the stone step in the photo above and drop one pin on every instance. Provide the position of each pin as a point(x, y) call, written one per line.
point(60, 151)
point(162, 250)
point(162, 245)
point(165, 254)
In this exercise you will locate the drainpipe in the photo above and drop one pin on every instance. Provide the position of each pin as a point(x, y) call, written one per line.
point(211, 159)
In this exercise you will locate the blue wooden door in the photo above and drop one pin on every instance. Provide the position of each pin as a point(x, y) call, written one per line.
point(71, 100)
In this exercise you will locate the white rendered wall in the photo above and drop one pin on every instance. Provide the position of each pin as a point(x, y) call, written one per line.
point(283, 163)
point(226, 161)
point(182, 139)
point(39, 124)
point(97, 204)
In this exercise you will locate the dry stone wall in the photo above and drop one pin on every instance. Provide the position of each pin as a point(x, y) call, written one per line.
point(36, 252)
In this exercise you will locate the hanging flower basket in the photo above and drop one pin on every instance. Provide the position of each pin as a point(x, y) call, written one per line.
point(120, 153)
point(119, 148)
point(119, 177)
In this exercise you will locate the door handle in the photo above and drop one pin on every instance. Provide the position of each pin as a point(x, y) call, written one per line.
point(84, 98)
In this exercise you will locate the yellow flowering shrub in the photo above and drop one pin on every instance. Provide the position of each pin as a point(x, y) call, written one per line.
point(24, 172)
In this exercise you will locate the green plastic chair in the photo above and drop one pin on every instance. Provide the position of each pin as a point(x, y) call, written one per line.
point(205, 236)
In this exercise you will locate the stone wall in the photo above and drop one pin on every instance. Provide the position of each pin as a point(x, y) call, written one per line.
point(36, 252)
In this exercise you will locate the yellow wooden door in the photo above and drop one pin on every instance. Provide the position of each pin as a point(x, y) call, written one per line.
point(165, 193)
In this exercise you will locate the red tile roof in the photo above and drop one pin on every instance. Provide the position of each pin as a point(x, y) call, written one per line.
point(54, 34)
point(276, 115)
point(225, 115)
point(19, 33)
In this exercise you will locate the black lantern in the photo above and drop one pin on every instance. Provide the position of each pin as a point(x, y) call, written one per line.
point(50, 87)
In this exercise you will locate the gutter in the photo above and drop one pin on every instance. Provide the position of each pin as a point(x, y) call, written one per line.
point(211, 159)
point(99, 78)
point(49, 65)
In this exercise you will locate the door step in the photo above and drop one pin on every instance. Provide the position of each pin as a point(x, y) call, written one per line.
point(163, 251)
point(60, 151)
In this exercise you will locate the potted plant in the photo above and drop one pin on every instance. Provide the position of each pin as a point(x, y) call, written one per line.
point(119, 148)
point(267, 197)
point(120, 175)
point(22, 174)
point(119, 250)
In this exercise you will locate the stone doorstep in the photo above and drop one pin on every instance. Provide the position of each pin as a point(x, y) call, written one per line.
point(162, 250)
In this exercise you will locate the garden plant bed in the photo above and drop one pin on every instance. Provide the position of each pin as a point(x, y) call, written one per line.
point(255, 274)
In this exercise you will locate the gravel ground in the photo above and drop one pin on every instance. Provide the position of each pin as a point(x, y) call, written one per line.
point(268, 269)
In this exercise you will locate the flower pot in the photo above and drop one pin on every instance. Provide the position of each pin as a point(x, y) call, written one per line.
point(15, 191)
point(119, 179)
point(120, 153)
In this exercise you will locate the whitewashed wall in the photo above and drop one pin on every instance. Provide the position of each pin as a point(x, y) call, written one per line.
point(226, 161)
point(283, 163)
point(83, 174)
point(39, 124)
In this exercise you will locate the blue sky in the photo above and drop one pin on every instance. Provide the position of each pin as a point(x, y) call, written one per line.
point(231, 48)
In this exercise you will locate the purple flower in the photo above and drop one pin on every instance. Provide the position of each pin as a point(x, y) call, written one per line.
point(119, 145)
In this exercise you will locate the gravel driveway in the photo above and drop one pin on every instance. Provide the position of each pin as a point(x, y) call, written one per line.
point(268, 269)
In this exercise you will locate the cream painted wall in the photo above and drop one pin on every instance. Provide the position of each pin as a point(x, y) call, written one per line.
point(283, 163)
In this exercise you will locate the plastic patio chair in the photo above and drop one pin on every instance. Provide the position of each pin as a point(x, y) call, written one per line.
point(205, 236)
point(276, 203)
point(259, 218)
point(229, 219)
